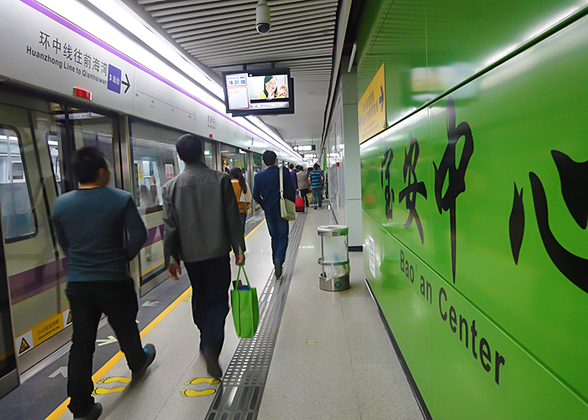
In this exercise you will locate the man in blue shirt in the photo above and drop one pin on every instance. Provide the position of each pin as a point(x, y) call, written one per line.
point(266, 191)
point(316, 185)
point(90, 224)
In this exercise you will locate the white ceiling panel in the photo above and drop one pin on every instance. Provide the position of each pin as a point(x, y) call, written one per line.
point(221, 35)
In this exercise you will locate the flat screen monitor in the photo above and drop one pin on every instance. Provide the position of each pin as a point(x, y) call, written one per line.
point(259, 92)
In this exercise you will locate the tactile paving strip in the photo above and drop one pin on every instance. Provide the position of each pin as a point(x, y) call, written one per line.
point(239, 396)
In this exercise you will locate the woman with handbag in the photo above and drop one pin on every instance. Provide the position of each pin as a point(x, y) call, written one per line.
point(242, 193)
point(303, 184)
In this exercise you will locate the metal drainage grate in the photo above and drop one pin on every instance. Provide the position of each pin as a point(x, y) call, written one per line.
point(239, 396)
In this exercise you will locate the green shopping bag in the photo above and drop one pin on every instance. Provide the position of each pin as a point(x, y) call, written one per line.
point(245, 307)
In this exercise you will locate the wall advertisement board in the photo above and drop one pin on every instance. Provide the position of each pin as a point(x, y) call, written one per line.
point(371, 108)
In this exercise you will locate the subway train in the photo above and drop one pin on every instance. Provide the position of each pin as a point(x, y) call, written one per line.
point(65, 89)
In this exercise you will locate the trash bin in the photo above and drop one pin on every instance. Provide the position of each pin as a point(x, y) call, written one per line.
point(335, 258)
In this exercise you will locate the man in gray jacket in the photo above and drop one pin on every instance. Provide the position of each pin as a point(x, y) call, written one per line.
point(202, 225)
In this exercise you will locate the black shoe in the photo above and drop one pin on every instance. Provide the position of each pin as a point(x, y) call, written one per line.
point(149, 350)
point(278, 269)
point(92, 415)
point(213, 367)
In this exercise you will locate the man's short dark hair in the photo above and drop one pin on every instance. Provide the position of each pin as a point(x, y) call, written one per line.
point(189, 147)
point(86, 163)
point(316, 166)
point(269, 157)
point(291, 166)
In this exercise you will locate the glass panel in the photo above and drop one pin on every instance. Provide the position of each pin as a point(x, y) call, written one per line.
point(92, 129)
point(209, 154)
point(233, 157)
point(49, 131)
point(17, 211)
point(257, 163)
point(155, 162)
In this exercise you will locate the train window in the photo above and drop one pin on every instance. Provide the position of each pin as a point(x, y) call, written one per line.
point(92, 129)
point(257, 163)
point(233, 157)
point(208, 154)
point(17, 211)
point(154, 154)
point(154, 163)
point(49, 131)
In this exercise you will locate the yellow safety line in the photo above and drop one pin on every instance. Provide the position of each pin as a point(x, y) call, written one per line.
point(256, 227)
point(249, 234)
point(61, 410)
point(152, 268)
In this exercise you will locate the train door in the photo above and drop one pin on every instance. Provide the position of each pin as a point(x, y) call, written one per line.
point(37, 140)
point(8, 373)
point(33, 262)
point(154, 163)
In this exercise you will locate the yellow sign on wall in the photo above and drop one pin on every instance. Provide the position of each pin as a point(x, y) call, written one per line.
point(371, 109)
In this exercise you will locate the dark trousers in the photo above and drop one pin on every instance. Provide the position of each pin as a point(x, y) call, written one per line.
point(88, 301)
point(304, 192)
point(317, 195)
point(243, 221)
point(210, 302)
point(278, 230)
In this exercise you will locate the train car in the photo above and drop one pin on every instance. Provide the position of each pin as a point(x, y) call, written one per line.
point(61, 88)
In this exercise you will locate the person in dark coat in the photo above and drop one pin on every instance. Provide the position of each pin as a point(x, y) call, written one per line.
point(266, 191)
point(201, 226)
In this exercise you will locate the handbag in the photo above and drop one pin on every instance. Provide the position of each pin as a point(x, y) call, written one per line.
point(245, 197)
point(287, 207)
point(245, 307)
point(309, 198)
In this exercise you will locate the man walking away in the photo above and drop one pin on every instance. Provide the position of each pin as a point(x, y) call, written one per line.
point(202, 225)
point(266, 191)
point(90, 224)
point(316, 184)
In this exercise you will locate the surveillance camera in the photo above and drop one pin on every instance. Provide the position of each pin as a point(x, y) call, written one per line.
point(263, 22)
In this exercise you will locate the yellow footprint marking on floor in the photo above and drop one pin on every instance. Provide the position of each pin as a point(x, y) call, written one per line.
point(188, 299)
point(193, 393)
point(110, 379)
point(104, 391)
point(195, 381)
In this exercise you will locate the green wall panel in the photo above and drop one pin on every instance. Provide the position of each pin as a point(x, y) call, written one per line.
point(492, 156)
point(430, 46)
point(466, 367)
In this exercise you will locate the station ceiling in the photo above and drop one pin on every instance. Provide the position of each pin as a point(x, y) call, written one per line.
point(221, 35)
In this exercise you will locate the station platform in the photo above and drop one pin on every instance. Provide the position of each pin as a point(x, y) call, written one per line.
point(316, 355)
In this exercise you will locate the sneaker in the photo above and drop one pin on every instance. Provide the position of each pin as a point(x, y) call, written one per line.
point(92, 415)
point(278, 269)
point(149, 350)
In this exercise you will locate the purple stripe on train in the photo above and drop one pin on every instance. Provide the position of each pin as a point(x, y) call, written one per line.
point(39, 279)
point(42, 9)
point(155, 234)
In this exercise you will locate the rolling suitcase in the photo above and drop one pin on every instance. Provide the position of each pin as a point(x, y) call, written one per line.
point(299, 204)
